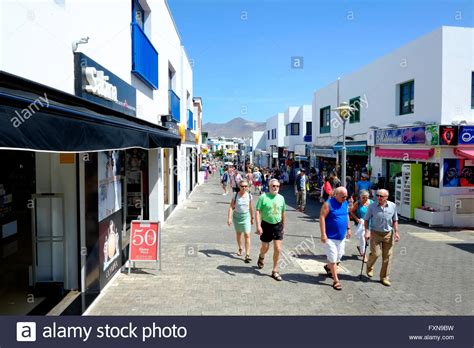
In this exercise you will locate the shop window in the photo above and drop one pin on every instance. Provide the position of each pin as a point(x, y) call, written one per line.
point(407, 98)
point(355, 115)
point(458, 172)
point(431, 174)
point(309, 128)
point(294, 128)
point(325, 120)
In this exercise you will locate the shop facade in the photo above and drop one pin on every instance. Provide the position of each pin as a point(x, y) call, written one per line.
point(437, 159)
point(88, 147)
point(68, 199)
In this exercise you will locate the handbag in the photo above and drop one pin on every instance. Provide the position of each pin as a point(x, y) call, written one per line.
point(360, 229)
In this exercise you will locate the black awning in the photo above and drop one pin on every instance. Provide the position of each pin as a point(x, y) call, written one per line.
point(58, 122)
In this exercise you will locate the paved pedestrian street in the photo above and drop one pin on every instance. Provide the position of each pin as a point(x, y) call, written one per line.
point(202, 275)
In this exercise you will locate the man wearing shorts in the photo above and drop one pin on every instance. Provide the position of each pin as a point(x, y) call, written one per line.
point(271, 218)
point(334, 224)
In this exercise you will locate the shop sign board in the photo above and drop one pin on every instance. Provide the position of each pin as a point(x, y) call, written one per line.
point(95, 83)
point(411, 135)
point(448, 135)
point(145, 241)
point(110, 171)
point(466, 135)
point(432, 134)
point(300, 150)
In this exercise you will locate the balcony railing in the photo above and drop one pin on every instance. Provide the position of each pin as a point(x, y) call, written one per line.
point(144, 57)
point(190, 120)
point(308, 138)
point(174, 104)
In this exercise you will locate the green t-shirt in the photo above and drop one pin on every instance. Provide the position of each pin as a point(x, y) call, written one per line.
point(271, 207)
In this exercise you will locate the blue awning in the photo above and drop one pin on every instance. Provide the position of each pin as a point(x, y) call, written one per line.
point(352, 146)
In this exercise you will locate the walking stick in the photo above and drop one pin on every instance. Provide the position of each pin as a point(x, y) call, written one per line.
point(363, 259)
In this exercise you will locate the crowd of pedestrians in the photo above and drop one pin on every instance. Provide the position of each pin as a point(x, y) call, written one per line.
point(376, 222)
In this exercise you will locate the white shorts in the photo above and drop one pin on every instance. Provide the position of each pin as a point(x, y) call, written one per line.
point(334, 249)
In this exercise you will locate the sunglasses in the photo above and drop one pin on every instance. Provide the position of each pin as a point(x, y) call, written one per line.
point(275, 185)
point(380, 196)
point(243, 186)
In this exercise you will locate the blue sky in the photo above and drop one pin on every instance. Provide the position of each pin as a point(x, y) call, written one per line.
point(242, 49)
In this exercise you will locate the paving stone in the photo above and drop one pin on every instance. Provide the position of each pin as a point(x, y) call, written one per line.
point(431, 271)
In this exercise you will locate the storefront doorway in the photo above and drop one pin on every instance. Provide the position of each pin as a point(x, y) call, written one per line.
point(17, 184)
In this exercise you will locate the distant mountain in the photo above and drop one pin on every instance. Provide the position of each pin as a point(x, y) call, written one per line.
point(237, 127)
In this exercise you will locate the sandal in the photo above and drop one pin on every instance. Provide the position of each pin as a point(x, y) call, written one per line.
point(336, 286)
point(239, 253)
point(260, 263)
point(247, 259)
point(328, 271)
point(276, 276)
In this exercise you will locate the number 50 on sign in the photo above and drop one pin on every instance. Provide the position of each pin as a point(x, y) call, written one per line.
point(145, 241)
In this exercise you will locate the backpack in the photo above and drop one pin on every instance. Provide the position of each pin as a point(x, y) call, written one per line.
point(225, 178)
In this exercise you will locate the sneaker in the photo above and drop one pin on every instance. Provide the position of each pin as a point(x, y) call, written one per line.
point(370, 273)
point(385, 282)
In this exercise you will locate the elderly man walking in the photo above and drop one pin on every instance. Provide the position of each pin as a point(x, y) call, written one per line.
point(383, 219)
point(271, 218)
point(335, 226)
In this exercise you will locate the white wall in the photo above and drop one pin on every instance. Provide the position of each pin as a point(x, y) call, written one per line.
point(275, 122)
point(376, 83)
point(37, 45)
point(302, 115)
point(458, 65)
point(289, 117)
point(259, 140)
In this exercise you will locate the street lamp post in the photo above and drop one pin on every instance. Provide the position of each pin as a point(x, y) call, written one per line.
point(344, 111)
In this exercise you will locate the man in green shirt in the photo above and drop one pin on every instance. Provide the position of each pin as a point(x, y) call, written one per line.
point(271, 220)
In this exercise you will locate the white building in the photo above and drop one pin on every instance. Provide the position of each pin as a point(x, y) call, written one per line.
point(275, 133)
point(228, 145)
point(259, 155)
point(428, 81)
point(298, 128)
point(134, 64)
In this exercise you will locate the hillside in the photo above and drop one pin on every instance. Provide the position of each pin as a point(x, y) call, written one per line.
point(237, 127)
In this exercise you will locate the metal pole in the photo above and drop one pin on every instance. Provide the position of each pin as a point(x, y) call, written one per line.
point(343, 179)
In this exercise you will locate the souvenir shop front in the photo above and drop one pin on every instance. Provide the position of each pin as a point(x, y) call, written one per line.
point(357, 158)
point(429, 172)
point(323, 159)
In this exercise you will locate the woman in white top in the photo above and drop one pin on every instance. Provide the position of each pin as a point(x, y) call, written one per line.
point(241, 213)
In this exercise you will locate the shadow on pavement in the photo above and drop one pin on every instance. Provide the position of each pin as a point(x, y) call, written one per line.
point(305, 278)
point(469, 247)
point(233, 270)
point(210, 252)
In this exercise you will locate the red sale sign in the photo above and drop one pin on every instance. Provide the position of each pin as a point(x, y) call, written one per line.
point(144, 241)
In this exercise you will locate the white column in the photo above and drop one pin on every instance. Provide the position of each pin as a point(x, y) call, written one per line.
point(156, 197)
